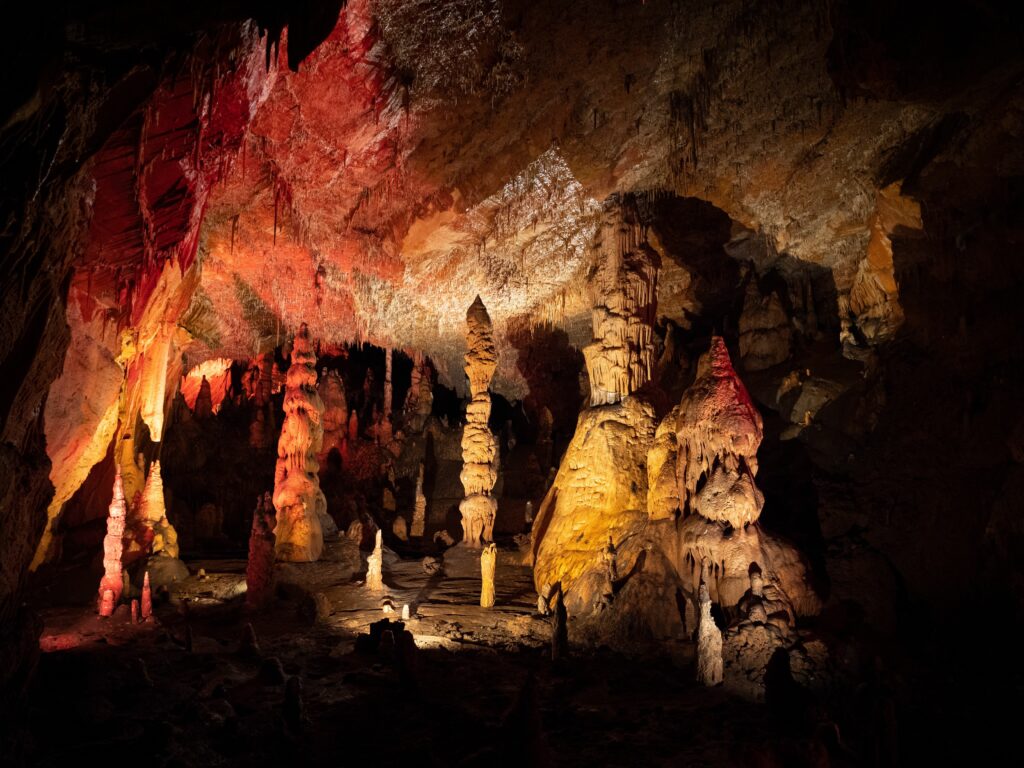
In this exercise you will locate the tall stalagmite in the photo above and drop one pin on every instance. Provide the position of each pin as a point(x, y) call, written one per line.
point(335, 416)
point(479, 447)
point(153, 513)
point(297, 496)
point(600, 491)
point(112, 581)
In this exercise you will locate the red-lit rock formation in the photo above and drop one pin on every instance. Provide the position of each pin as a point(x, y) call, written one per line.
point(479, 446)
point(259, 568)
point(297, 496)
point(112, 585)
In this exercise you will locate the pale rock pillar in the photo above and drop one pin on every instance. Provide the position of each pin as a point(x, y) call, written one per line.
point(154, 514)
point(709, 642)
point(375, 565)
point(479, 446)
point(111, 583)
point(488, 560)
point(419, 512)
point(297, 496)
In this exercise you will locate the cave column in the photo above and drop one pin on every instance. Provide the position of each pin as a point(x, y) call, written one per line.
point(621, 357)
point(297, 496)
point(387, 384)
point(479, 446)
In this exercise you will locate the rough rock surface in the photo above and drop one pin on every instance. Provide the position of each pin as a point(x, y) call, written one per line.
point(297, 496)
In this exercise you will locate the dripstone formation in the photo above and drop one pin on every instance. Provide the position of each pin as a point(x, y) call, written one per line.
point(297, 496)
point(479, 446)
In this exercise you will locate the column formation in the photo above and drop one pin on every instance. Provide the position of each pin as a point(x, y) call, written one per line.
point(479, 447)
point(297, 495)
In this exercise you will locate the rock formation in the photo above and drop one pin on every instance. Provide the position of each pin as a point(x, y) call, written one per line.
point(765, 331)
point(419, 400)
point(111, 584)
point(146, 605)
point(479, 447)
point(204, 400)
point(600, 490)
point(621, 357)
point(153, 514)
point(488, 560)
point(375, 565)
point(259, 568)
point(701, 469)
point(419, 512)
point(335, 417)
point(709, 642)
point(400, 529)
point(297, 496)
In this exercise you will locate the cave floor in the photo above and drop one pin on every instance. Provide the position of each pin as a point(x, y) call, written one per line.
point(482, 689)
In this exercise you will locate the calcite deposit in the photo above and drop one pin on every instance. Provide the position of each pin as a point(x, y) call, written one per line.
point(297, 496)
point(112, 584)
point(259, 567)
point(488, 561)
point(479, 446)
point(153, 515)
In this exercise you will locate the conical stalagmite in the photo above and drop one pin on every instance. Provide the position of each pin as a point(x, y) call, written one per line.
point(297, 496)
point(479, 447)
point(112, 584)
point(154, 514)
point(375, 565)
point(419, 513)
point(709, 642)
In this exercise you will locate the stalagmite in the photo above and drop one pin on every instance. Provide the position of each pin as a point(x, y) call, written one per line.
point(204, 400)
point(479, 447)
point(259, 569)
point(528, 512)
point(419, 400)
point(488, 560)
point(135, 611)
point(298, 499)
point(400, 529)
point(387, 385)
point(701, 469)
point(559, 627)
point(709, 642)
point(353, 427)
point(147, 598)
point(600, 490)
point(154, 514)
point(374, 565)
point(112, 584)
point(335, 418)
point(419, 513)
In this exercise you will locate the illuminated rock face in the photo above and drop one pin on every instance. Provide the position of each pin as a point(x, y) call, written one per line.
point(419, 513)
point(479, 446)
point(701, 470)
point(112, 581)
point(709, 642)
point(297, 496)
point(599, 494)
point(153, 514)
point(488, 560)
point(621, 357)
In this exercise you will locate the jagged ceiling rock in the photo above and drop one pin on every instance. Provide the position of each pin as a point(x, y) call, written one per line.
point(426, 153)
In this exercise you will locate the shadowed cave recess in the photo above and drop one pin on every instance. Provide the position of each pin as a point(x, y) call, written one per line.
point(488, 382)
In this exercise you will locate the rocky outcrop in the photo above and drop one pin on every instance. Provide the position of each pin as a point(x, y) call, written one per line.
point(297, 496)
point(479, 446)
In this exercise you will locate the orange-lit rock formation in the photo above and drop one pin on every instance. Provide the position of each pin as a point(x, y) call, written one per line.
point(335, 418)
point(112, 585)
point(297, 496)
point(701, 471)
point(153, 515)
point(479, 446)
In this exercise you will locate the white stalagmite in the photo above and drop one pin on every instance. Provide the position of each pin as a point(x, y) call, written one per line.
point(488, 561)
point(375, 565)
point(709, 642)
point(111, 583)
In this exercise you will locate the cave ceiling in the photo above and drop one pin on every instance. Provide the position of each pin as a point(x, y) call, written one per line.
point(426, 153)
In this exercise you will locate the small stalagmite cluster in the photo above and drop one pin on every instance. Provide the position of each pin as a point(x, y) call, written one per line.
point(479, 446)
point(297, 496)
point(112, 584)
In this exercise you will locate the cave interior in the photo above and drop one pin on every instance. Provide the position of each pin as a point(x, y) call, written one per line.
point(487, 382)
